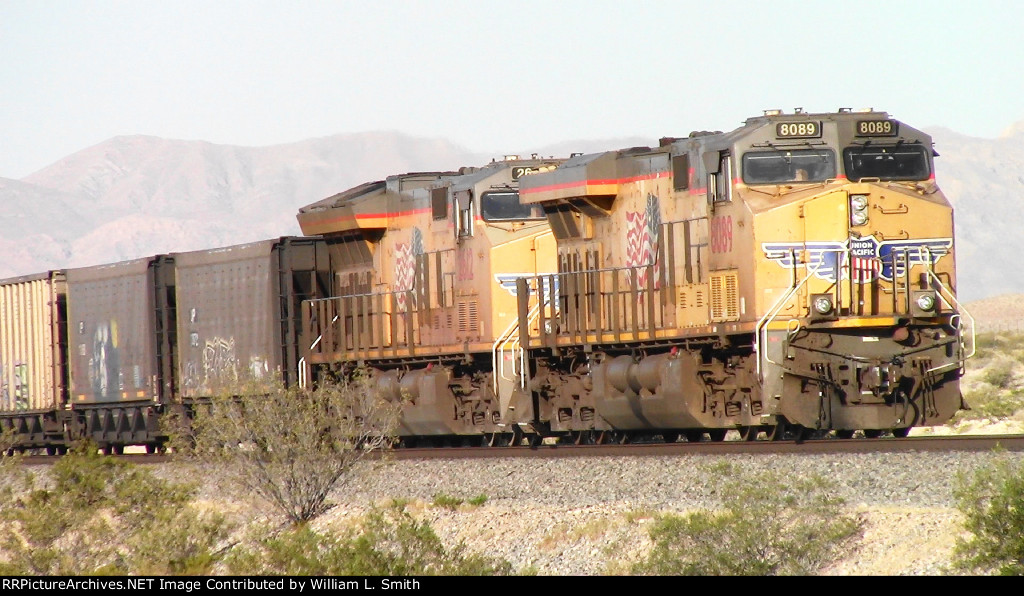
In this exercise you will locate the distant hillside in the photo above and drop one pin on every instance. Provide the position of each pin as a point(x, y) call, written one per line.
point(998, 313)
point(134, 196)
point(984, 179)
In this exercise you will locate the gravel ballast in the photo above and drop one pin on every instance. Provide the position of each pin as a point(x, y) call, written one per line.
point(589, 515)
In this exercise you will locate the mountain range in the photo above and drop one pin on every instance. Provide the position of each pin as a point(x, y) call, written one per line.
point(133, 196)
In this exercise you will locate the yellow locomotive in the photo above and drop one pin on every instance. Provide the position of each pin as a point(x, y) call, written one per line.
point(792, 275)
point(425, 267)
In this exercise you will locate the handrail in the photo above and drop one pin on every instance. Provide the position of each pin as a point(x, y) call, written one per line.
point(498, 364)
point(961, 312)
point(510, 335)
point(321, 336)
point(773, 312)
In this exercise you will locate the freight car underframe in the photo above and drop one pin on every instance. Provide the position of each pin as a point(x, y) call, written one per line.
point(111, 426)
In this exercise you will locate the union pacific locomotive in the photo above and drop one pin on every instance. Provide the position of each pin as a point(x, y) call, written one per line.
point(795, 275)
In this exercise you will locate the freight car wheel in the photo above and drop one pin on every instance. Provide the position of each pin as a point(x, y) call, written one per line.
point(670, 436)
point(51, 450)
point(749, 433)
point(901, 433)
point(717, 435)
point(872, 433)
point(844, 434)
point(693, 436)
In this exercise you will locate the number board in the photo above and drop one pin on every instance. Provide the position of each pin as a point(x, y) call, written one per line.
point(877, 128)
point(520, 171)
point(798, 130)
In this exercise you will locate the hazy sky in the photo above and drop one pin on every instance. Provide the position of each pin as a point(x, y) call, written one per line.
point(494, 76)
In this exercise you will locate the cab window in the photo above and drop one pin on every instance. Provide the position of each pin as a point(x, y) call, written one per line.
point(789, 166)
point(505, 206)
point(887, 162)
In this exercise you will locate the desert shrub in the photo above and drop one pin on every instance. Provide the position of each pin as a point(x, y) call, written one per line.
point(447, 501)
point(991, 500)
point(767, 525)
point(991, 403)
point(99, 515)
point(288, 446)
point(999, 373)
point(388, 542)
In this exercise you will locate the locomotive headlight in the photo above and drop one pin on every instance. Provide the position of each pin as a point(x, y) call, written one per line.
point(823, 305)
point(858, 210)
point(925, 303)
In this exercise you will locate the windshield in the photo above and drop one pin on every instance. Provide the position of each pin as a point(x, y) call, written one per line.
point(888, 162)
point(505, 205)
point(797, 165)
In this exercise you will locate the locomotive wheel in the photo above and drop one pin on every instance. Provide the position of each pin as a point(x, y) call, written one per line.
point(580, 437)
point(872, 433)
point(749, 433)
point(776, 432)
point(901, 433)
point(693, 436)
point(801, 433)
point(717, 435)
point(499, 439)
point(670, 436)
point(844, 434)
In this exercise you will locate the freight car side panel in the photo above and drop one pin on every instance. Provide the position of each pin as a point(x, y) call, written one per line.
point(31, 371)
point(226, 322)
point(239, 311)
point(111, 335)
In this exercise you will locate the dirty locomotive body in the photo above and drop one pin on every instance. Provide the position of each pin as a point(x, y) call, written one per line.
point(793, 275)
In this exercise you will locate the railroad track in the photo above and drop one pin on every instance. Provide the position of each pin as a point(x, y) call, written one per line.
point(881, 445)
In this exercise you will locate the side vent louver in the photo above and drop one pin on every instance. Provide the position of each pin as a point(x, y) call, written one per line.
point(469, 316)
point(725, 292)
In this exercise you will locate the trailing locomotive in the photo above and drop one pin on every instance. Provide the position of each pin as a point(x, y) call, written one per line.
point(794, 275)
point(425, 270)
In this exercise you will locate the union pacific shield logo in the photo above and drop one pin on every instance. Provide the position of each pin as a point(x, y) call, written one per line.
point(861, 260)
